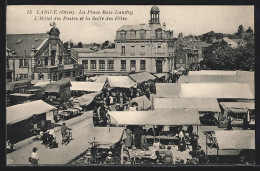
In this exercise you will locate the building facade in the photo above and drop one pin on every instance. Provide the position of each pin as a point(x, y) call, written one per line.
point(40, 56)
point(138, 48)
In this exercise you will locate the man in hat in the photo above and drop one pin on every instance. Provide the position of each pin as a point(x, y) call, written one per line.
point(34, 157)
point(109, 159)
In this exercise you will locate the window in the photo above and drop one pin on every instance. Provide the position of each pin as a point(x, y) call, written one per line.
point(60, 60)
point(46, 61)
point(132, 64)
point(142, 34)
point(85, 64)
point(123, 64)
point(93, 64)
point(122, 49)
point(122, 35)
point(132, 34)
point(142, 65)
point(110, 64)
point(180, 61)
point(23, 63)
point(132, 50)
point(158, 34)
point(101, 64)
point(142, 50)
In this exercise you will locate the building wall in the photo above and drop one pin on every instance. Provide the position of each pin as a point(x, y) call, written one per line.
point(149, 67)
point(20, 71)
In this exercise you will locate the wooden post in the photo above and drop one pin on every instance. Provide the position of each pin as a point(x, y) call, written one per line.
point(197, 130)
point(153, 134)
point(206, 144)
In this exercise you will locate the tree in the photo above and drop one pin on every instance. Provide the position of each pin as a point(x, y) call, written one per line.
point(249, 30)
point(80, 45)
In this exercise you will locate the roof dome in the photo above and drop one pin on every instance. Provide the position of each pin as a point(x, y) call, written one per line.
point(155, 9)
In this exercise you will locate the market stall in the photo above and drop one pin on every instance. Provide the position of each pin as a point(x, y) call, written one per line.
point(87, 101)
point(230, 143)
point(167, 89)
point(239, 111)
point(142, 77)
point(120, 82)
point(104, 141)
point(22, 118)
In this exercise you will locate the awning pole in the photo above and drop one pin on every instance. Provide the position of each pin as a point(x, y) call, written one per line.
point(197, 130)
point(153, 134)
point(206, 144)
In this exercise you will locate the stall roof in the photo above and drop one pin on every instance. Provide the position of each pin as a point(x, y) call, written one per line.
point(10, 85)
point(143, 102)
point(101, 79)
point(43, 83)
point(86, 86)
point(202, 104)
point(156, 117)
point(22, 94)
point(86, 99)
point(212, 72)
point(167, 89)
point(159, 75)
point(52, 88)
point(235, 139)
point(216, 90)
point(120, 82)
point(142, 77)
point(23, 111)
point(105, 137)
point(238, 105)
point(209, 78)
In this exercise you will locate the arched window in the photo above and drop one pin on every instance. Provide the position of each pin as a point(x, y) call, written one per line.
point(142, 34)
point(132, 34)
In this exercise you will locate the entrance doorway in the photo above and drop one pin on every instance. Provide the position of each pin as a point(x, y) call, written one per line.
point(159, 66)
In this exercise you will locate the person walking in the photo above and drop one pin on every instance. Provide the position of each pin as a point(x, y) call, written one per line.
point(34, 157)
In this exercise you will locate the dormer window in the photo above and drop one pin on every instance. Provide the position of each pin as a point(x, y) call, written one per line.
point(142, 34)
point(132, 34)
point(122, 35)
point(159, 34)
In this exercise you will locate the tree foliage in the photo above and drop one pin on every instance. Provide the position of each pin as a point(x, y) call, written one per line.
point(222, 57)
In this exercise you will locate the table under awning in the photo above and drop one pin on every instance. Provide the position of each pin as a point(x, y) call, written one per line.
point(86, 86)
point(235, 139)
point(142, 77)
point(120, 82)
point(23, 111)
point(167, 117)
point(202, 104)
point(105, 137)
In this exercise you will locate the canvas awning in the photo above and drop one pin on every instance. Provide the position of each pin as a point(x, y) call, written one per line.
point(160, 75)
point(142, 77)
point(52, 88)
point(23, 111)
point(101, 79)
point(156, 117)
point(235, 139)
point(216, 90)
point(86, 86)
point(238, 105)
point(202, 104)
point(212, 72)
point(105, 137)
point(167, 89)
point(120, 82)
point(143, 102)
point(43, 82)
point(11, 85)
point(86, 99)
point(209, 78)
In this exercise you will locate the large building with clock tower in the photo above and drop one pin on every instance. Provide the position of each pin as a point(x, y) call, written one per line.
point(139, 48)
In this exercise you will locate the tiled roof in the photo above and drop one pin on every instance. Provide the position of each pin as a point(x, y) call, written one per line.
point(135, 27)
point(24, 42)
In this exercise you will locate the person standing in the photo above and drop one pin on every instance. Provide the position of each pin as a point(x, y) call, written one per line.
point(34, 157)
point(229, 124)
point(168, 158)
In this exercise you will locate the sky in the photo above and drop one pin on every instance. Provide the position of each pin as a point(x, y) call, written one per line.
point(191, 19)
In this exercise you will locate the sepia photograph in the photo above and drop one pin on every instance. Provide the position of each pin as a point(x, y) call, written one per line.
point(130, 85)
